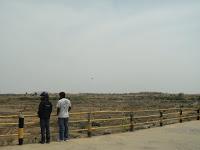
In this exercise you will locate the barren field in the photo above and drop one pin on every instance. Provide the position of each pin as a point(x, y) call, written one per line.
point(12, 104)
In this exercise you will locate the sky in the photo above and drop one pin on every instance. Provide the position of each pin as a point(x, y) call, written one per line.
point(100, 46)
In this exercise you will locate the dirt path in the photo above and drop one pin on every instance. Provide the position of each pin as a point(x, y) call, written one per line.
point(185, 136)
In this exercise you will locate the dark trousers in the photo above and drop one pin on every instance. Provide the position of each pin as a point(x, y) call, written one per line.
point(45, 129)
point(63, 128)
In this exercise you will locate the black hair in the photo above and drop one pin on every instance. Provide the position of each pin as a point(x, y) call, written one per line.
point(62, 94)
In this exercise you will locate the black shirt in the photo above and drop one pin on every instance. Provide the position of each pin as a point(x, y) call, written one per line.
point(45, 109)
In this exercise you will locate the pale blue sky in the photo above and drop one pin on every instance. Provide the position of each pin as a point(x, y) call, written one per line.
point(100, 45)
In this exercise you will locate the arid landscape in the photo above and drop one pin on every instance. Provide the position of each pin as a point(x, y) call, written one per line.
point(129, 68)
point(12, 104)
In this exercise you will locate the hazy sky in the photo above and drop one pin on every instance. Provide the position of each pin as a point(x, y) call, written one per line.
point(100, 45)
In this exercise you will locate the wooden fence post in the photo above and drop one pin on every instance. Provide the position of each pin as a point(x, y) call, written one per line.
point(161, 118)
point(198, 114)
point(180, 119)
point(131, 121)
point(89, 125)
point(21, 129)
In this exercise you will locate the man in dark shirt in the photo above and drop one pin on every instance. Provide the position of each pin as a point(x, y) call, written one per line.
point(44, 113)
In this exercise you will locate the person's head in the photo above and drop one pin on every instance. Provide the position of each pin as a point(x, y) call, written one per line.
point(44, 96)
point(62, 95)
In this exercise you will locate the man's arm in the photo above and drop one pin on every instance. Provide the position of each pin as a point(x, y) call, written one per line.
point(58, 108)
point(51, 108)
point(69, 108)
point(40, 109)
point(58, 111)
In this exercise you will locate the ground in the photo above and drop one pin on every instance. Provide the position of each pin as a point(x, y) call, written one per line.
point(180, 136)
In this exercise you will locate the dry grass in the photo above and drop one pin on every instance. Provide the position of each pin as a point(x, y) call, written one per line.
point(28, 104)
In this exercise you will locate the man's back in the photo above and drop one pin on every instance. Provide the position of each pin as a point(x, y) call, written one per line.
point(63, 104)
point(45, 109)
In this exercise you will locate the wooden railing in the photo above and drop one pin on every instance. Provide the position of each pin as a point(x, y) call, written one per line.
point(133, 119)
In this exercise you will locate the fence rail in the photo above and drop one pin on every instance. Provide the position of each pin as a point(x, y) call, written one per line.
point(157, 116)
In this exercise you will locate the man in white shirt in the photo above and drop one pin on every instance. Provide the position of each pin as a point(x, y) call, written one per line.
point(63, 108)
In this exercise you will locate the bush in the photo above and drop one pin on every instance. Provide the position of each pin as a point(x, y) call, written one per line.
point(180, 96)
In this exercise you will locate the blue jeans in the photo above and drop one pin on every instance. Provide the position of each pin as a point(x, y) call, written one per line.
point(63, 128)
point(44, 125)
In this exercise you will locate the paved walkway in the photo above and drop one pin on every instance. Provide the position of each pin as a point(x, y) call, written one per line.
point(185, 136)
